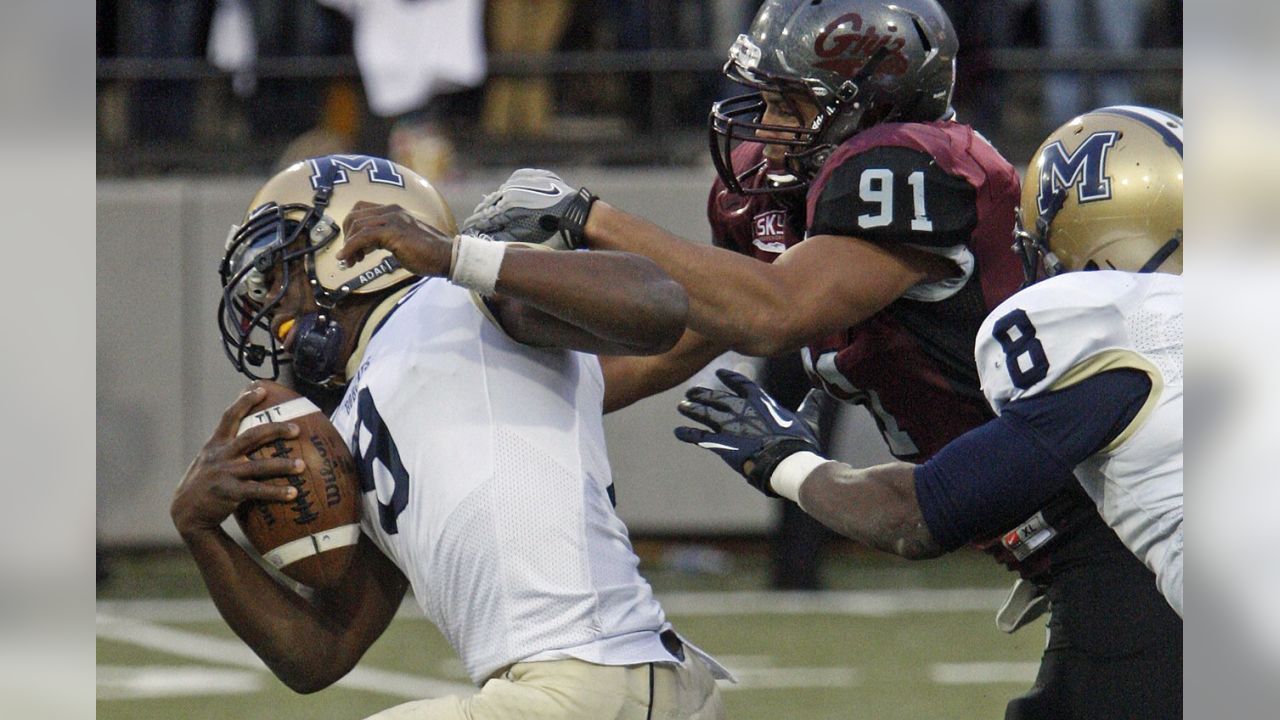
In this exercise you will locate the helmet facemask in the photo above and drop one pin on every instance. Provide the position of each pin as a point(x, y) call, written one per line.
point(271, 243)
point(738, 119)
point(288, 247)
point(1032, 246)
point(860, 62)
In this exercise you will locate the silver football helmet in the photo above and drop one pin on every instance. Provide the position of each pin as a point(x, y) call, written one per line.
point(860, 62)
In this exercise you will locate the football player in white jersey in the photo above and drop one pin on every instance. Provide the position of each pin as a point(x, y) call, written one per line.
point(1083, 368)
point(474, 415)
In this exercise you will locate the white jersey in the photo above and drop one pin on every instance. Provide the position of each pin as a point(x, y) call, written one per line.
point(1074, 326)
point(491, 489)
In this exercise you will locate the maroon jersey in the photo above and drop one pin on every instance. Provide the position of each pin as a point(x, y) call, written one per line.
point(941, 187)
point(761, 226)
point(938, 186)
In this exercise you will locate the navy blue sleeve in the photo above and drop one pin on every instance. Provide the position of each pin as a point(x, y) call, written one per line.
point(1000, 473)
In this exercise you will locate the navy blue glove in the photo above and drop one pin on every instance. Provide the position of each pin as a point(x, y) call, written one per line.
point(748, 429)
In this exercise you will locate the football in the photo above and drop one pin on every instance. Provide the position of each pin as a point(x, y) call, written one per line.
point(311, 538)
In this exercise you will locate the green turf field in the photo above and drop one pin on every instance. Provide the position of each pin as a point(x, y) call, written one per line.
point(887, 640)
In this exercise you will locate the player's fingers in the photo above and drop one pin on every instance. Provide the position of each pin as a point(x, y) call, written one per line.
point(737, 382)
point(811, 407)
point(372, 217)
point(486, 202)
point(364, 208)
point(691, 435)
point(701, 393)
point(361, 241)
point(259, 435)
point(253, 490)
point(365, 212)
point(718, 418)
point(713, 398)
point(698, 412)
point(483, 222)
point(235, 413)
point(267, 468)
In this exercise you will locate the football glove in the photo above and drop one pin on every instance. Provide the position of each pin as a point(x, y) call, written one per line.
point(533, 206)
point(748, 429)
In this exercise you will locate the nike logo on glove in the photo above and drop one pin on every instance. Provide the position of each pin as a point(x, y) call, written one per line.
point(768, 405)
point(715, 446)
point(550, 190)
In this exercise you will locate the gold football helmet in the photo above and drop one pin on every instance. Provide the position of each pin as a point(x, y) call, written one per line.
point(298, 215)
point(1104, 192)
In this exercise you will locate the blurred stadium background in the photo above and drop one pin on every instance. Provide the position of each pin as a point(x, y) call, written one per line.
point(614, 96)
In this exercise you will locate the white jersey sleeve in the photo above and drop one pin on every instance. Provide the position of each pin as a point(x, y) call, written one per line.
point(1067, 328)
point(1071, 327)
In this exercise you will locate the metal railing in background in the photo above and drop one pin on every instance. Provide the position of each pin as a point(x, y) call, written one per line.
point(611, 62)
point(660, 136)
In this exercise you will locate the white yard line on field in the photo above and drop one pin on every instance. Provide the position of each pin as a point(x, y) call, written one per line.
point(759, 672)
point(198, 646)
point(134, 622)
point(867, 603)
point(134, 682)
point(979, 673)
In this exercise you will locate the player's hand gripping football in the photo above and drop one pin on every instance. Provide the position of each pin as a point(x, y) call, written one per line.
point(748, 429)
point(533, 206)
point(420, 248)
point(221, 476)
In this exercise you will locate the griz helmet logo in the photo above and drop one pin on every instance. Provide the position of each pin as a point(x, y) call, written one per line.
point(380, 170)
point(846, 50)
point(1086, 169)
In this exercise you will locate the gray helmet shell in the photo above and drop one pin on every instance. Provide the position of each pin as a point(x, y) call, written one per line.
point(860, 62)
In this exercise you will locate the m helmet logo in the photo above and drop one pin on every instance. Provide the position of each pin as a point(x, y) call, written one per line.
point(380, 170)
point(1086, 169)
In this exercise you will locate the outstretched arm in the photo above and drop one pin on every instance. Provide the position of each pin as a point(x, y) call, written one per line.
point(825, 284)
point(307, 643)
point(597, 302)
point(606, 303)
point(776, 450)
point(980, 484)
point(876, 506)
point(822, 285)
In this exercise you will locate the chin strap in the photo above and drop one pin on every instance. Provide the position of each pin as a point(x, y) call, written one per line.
point(1162, 254)
point(317, 348)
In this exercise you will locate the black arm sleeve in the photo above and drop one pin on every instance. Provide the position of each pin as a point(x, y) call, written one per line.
point(1000, 473)
point(896, 194)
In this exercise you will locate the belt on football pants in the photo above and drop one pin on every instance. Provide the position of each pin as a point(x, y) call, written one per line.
point(1027, 600)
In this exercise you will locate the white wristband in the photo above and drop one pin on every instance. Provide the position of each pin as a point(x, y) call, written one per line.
point(475, 263)
point(792, 471)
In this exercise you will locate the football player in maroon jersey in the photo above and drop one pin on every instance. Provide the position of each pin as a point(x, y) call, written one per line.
point(886, 226)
